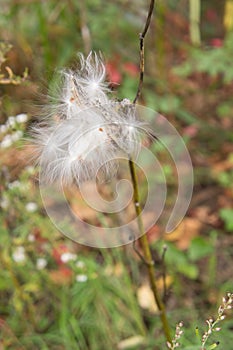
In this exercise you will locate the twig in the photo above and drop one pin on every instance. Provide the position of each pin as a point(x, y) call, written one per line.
point(140, 255)
point(86, 35)
point(12, 78)
point(141, 43)
point(164, 274)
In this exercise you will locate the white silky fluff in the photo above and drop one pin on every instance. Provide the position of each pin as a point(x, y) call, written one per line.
point(85, 132)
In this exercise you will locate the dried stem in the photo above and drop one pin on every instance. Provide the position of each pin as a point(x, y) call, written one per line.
point(85, 31)
point(164, 274)
point(194, 21)
point(141, 43)
point(147, 256)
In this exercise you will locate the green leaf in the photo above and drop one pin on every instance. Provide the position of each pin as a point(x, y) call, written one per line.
point(183, 70)
point(179, 261)
point(187, 116)
point(199, 248)
point(225, 109)
point(226, 215)
point(189, 270)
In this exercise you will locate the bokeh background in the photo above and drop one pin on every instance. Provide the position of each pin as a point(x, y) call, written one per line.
point(56, 294)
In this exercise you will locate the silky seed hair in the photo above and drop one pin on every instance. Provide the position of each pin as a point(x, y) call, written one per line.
point(85, 131)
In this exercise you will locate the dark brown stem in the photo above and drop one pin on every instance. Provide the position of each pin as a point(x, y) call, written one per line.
point(141, 43)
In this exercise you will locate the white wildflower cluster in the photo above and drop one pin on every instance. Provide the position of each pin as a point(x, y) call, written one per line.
point(81, 278)
point(80, 264)
point(31, 237)
point(175, 341)
point(84, 131)
point(19, 254)
point(19, 185)
point(227, 304)
point(14, 184)
point(8, 136)
point(31, 207)
point(4, 201)
point(66, 257)
point(41, 263)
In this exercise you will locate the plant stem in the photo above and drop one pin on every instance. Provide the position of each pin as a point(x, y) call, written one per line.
point(147, 254)
point(141, 44)
point(194, 19)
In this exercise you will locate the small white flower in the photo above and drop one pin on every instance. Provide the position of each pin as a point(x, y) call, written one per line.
point(41, 263)
point(11, 121)
point(6, 142)
point(19, 254)
point(66, 257)
point(14, 184)
point(31, 207)
point(80, 264)
point(81, 278)
point(4, 203)
point(16, 135)
point(30, 169)
point(3, 128)
point(21, 118)
point(31, 237)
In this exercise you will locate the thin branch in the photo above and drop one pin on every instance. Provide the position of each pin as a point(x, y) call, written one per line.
point(141, 256)
point(164, 274)
point(85, 31)
point(12, 78)
point(141, 43)
point(147, 256)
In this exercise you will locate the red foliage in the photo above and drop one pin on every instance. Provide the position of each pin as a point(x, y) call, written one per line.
point(62, 276)
point(190, 130)
point(113, 73)
point(57, 253)
point(211, 15)
point(216, 42)
point(131, 68)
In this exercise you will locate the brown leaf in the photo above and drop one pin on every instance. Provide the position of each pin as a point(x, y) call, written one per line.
point(62, 276)
point(146, 298)
point(131, 342)
point(185, 232)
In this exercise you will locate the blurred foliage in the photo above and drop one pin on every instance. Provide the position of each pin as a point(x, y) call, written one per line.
point(89, 301)
point(213, 62)
point(227, 216)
